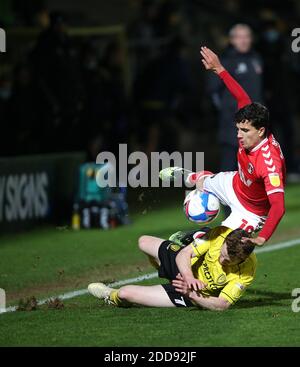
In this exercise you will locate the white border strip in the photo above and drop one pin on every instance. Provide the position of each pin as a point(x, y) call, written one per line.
point(270, 248)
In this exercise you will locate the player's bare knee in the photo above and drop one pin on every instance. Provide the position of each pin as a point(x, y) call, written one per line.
point(143, 240)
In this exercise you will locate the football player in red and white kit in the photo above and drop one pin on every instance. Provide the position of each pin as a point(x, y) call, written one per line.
point(254, 193)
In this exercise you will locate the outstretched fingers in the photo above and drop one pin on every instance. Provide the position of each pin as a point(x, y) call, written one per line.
point(210, 60)
point(207, 59)
point(205, 64)
point(204, 54)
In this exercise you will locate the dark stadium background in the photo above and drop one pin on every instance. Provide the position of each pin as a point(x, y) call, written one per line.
point(127, 72)
point(65, 97)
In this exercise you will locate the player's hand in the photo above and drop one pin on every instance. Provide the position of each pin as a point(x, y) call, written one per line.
point(211, 61)
point(258, 241)
point(181, 285)
point(194, 296)
point(192, 283)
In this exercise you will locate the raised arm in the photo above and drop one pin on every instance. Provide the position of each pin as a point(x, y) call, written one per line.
point(211, 62)
point(275, 214)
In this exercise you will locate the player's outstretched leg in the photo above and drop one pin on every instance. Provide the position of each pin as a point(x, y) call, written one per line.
point(172, 173)
point(109, 295)
point(153, 296)
point(196, 177)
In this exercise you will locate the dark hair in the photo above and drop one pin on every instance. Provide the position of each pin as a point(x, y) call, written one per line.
point(256, 113)
point(235, 247)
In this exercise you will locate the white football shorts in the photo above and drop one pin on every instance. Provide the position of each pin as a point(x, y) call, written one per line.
point(220, 184)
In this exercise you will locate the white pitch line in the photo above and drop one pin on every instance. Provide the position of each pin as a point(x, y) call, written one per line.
point(81, 292)
point(278, 246)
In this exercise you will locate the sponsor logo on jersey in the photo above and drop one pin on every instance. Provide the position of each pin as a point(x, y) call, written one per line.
point(174, 247)
point(209, 277)
point(221, 279)
point(274, 179)
point(247, 182)
point(250, 168)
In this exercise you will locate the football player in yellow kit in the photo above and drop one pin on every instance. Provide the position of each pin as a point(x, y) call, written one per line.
point(211, 272)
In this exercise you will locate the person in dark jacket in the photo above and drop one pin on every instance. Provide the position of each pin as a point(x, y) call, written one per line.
point(245, 65)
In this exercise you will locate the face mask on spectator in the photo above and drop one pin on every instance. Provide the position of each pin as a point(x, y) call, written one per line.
point(5, 93)
point(271, 35)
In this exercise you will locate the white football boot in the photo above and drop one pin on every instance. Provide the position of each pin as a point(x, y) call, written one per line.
point(172, 173)
point(101, 291)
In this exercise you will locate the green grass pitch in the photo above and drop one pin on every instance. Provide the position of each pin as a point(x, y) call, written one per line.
point(50, 261)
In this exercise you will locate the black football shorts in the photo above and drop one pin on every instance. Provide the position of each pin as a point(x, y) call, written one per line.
point(168, 269)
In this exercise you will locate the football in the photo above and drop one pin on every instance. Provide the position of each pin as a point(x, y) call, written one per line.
point(201, 206)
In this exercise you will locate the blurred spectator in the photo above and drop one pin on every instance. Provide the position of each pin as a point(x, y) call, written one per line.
point(115, 102)
point(158, 22)
point(245, 65)
point(57, 74)
point(172, 22)
point(106, 110)
point(23, 114)
point(30, 12)
point(160, 92)
point(93, 120)
point(6, 130)
point(273, 48)
point(144, 34)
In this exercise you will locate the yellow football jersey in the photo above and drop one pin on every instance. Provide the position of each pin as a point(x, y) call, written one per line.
point(229, 282)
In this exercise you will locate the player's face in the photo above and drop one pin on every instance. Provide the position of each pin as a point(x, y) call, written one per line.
point(241, 39)
point(224, 258)
point(248, 135)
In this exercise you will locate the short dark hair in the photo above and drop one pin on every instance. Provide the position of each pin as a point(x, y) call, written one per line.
point(235, 247)
point(256, 113)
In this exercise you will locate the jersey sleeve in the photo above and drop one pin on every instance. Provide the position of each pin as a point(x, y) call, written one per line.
point(200, 247)
point(270, 170)
point(233, 291)
point(275, 214)
point(235, 89)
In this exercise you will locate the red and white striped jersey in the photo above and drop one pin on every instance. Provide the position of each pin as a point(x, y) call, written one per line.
point(261, 172)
